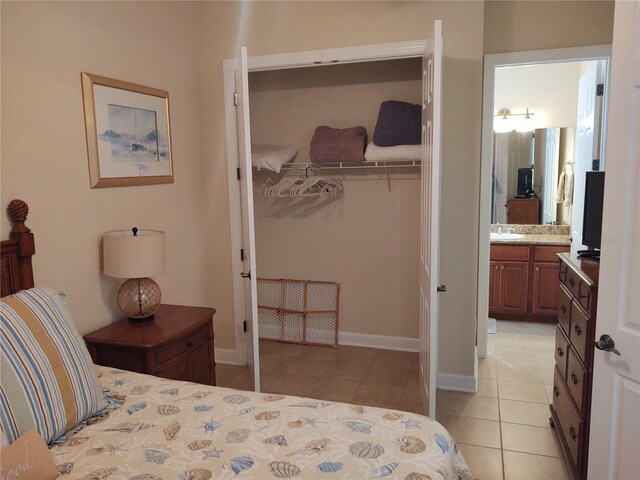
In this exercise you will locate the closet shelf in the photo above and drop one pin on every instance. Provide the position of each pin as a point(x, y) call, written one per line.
point(350, 166)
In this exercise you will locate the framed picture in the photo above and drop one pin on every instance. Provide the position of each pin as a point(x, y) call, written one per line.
point(128, 133)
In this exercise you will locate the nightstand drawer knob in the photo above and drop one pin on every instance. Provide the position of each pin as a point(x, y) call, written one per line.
point(189, 343)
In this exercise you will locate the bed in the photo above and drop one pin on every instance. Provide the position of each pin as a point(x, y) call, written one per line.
point(153, 428)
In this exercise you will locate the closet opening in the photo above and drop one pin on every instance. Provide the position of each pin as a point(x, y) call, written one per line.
point(543, 128)
point(355, 224)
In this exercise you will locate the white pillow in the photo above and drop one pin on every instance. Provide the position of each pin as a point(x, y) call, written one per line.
point(272, 157)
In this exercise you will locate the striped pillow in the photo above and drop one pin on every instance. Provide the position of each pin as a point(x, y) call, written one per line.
point(47, 376)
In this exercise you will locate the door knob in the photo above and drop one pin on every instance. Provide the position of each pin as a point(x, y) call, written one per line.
point(607, 344)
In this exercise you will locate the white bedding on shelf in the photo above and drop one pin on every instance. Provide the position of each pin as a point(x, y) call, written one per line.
point(397, 153)
point(272, 157)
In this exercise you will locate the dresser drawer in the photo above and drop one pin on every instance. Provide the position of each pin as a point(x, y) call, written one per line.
point(564, 309)
point(579, 331)
point(562, 347)
point(577, 377)
point(180, 346)
point(570, 421)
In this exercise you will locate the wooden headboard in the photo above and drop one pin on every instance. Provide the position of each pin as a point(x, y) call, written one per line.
point(16, 271)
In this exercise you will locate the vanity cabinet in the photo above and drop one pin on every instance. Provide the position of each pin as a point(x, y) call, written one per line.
point(523, 282)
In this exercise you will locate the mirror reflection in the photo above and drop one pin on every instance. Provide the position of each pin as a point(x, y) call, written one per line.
point(533, 176)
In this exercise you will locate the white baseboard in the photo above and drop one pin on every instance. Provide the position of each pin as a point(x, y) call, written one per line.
point(385, 342)
point(227, 356)
point(457, 383)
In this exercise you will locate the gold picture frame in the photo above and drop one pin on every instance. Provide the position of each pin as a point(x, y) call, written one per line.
point(128, 133)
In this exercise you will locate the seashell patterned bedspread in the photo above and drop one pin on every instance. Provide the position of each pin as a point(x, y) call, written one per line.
point(168, 429)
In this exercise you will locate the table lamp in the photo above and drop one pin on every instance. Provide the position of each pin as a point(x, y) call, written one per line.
point(136, 255)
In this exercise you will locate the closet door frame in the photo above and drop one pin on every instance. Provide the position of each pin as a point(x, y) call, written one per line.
point(280, 61)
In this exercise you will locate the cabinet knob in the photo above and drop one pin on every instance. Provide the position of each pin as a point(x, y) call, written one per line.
point(577, 329)
point(556, 392)
point(560, 352)
point(189, 343)
point(572, 432)
point(574, 378)
point(572, 282)
point(563, 309)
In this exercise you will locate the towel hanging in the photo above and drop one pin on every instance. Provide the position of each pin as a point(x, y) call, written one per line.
point(561, 186)
point(568, 190)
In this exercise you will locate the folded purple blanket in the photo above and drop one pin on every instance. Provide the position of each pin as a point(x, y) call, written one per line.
point(399, 123)
point(333, 145)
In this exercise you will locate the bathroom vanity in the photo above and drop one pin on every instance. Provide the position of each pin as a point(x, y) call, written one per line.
point(523, 274)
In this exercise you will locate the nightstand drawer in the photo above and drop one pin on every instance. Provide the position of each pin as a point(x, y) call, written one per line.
point(178, 347)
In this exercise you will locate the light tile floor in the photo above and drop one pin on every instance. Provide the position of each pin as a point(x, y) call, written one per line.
point(503, 430)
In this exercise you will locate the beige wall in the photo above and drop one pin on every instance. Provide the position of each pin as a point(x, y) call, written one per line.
point(514, 26)
point(179, 47)
point(45, 46)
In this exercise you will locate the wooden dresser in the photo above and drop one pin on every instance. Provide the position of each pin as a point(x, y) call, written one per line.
point(523, 211)
point(575, 336)
point(176, 344)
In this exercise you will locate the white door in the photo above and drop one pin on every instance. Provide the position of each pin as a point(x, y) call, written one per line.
point(584, 150)
point(615, 419)
point(549, 166)
point(248, 233)
point(430, 216)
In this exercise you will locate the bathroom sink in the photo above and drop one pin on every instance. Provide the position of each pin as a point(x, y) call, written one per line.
point(506, 236)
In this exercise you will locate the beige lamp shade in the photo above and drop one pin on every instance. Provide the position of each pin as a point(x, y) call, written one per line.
point(129, 256)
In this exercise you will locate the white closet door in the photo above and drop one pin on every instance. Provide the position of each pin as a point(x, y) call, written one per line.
point(430, 216)
point(248, 226)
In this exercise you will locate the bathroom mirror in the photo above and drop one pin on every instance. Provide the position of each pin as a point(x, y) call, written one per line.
point(549, 152)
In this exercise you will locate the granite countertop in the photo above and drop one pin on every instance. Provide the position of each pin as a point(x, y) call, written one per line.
point(537, 239)
point(535, 234)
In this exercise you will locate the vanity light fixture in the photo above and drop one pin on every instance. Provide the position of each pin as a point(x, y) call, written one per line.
point(508, 122)
point(505, 113)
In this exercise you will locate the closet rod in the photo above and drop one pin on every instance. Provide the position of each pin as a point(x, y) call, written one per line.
point(350, 166)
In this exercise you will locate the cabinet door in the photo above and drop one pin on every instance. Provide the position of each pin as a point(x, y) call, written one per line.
point(494, 286)
point(514, 283)
point(545, 288)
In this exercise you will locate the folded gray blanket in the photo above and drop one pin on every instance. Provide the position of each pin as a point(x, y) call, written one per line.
point(333, 145)
point(399, 123)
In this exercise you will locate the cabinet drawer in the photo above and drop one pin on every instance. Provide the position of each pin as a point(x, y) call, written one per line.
point(564, 309)
point(176, 348)
point(548, 254)
point(509, 252)
point(562, 346)
point(578, 333)
point(570, 421)
point(577, 377)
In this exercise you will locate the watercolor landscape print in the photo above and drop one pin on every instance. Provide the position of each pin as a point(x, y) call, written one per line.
point(128, 135)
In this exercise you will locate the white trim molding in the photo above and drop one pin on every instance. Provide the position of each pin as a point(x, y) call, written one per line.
point(456, 383)
point(228, 356)
point(385, 342)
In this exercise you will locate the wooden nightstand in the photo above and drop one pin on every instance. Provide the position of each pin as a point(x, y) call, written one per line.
point(176, 344)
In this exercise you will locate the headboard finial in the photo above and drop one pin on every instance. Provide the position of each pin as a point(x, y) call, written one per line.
point(18, 211)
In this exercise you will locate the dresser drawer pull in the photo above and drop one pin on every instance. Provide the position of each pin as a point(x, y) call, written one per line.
point(572, 282)
point(189, 343)
point(572, 432)
point(578, 330)
point(574, 378)
point(563, 309)
point(556, 392)
point(560, 352)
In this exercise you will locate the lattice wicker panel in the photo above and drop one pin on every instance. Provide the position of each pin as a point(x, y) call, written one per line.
point(298, 311)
